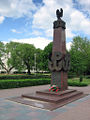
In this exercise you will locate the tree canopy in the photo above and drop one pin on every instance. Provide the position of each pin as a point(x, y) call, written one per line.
point(80, 55)
point(23, 57)
point(4, 57)
point(45, 55)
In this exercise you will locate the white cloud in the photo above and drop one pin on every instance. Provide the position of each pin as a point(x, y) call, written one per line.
point(37, 33)
point(15, 31)
point(69, 33)
point(49, 32)
point(38, 42)
point(1, 19)
point(16, 8)
point(79, 22)
point(68, 45)
point(5, 42)
point(85, 5)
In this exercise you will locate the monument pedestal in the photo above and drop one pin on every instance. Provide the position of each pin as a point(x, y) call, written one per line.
point(48, 100)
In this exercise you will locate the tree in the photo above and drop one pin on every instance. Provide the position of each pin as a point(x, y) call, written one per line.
point(22, 57)
point(45, 56)
point(2, 51)
point(39, 59)
point(10, 47)
point(4, 57)
point(80, 55)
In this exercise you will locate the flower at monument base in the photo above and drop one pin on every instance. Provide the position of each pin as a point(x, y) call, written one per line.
point(49, 89)
point(54, 88)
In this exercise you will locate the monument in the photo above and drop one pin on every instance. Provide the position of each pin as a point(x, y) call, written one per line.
point(59, 61)
point(59, 64)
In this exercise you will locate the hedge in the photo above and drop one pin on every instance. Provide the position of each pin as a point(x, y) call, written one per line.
point(79, 84)
point(5, 84)
point(87, 77)
point(6, 77)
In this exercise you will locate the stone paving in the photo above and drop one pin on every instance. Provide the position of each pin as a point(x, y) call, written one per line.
point(77, 110)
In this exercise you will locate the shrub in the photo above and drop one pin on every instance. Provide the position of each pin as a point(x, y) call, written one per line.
point(87, 77)
point(4, 84)
point(81, 78)
point(5, 77)
point(17, 72)
point(3, 72)
point(79, 84)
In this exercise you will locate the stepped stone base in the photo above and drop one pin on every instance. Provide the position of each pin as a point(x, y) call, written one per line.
point(49, 100)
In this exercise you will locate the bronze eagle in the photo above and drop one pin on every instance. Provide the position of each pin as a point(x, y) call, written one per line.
point(59, 13)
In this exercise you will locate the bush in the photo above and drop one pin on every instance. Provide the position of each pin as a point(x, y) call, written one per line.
point(87, 77)
point(6, 77)
point(3, 72)
point(79, 84)
point(5, 84)
point(81, 78)
point(17, 72)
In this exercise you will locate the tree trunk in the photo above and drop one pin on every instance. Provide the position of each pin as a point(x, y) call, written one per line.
point(29, 71)
point(9, 70)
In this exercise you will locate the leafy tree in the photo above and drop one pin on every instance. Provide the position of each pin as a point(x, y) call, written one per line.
point(45, 56)
point(80, 55)
point(22, 57)
point(4, 57)
point(39, 59)
point(10, 47)
point(2, 51)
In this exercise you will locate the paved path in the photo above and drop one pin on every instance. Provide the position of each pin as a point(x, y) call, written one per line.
point(77, 110)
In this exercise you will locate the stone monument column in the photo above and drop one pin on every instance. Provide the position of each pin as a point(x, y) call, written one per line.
point(59, 61)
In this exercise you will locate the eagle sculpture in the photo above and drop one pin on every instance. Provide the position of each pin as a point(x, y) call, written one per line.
point(59, 13)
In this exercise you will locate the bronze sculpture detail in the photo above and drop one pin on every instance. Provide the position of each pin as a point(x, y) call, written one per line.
point(59, 62)
point(59, 22)
point(59, 13)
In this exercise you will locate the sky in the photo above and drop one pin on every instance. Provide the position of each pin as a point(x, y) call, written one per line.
point(31, 21)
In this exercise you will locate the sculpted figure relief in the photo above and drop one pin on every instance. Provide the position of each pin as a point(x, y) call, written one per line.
point(55, 62)
point(58, 62)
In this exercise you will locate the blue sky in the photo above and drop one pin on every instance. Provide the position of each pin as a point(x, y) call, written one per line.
point(31, 21)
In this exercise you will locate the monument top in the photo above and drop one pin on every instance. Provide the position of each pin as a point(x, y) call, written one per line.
point(59, 22)
point(59, 13)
